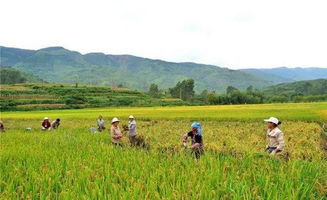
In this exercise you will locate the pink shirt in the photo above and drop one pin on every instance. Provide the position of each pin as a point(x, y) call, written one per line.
point(115, 134)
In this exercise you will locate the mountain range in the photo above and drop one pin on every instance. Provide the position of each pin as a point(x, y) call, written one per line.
point(284, 74)
point(60, 65)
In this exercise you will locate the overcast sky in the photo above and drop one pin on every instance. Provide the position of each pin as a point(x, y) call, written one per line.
point(230, 33)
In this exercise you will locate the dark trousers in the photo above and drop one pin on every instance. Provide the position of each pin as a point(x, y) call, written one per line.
point(271, 149)
point(132, 140)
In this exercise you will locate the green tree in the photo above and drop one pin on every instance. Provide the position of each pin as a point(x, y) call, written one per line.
point(249, 89)
point(183, 90)
point(11, 76)
point(203, 96)
point(154, 91)
point(231, 89)
point(212, 98)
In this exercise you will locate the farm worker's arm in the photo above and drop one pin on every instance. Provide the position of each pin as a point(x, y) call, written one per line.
point(185, 137)
point(113, 133)
point(131, 126)
point(185, 141)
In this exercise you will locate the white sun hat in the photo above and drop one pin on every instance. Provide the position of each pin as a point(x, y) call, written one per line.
point(46, 118)
point(115, 119)
point(131, 117)
point(272, 120)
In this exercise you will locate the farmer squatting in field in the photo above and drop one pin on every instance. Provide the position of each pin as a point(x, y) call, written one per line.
point(196, 136)
point(46, 125)
point(275, 136)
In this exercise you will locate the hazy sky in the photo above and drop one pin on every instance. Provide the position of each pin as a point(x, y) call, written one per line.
point(229, 33)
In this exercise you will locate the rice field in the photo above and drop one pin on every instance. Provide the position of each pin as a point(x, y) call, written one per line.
point(73, 163)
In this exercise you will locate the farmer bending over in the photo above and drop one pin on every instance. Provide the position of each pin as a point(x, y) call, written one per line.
point(275, 136)
point(46, 124)
point(115, 132)
point(196, 136)
point(55, 124)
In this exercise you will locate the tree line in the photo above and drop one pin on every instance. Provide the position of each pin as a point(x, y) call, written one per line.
point(184, 90)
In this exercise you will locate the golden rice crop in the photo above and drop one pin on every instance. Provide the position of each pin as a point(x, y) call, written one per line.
point(73, 163)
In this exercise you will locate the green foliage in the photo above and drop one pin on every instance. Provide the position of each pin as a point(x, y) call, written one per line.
point(250, 88)
point(312, 87)
point(313, 90)
point(154, 91)
point(49, 96)
point(11, 76)
point(212, 98)
point(231, 89)
point(71, 100)
point(234, 96)
point(303, 91)
point(183, 90)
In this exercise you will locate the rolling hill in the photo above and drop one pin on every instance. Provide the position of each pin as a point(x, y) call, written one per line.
point(284, 74)
point(305, 88)
point(59, 65)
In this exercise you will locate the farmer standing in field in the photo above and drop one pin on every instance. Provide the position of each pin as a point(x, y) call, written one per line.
point(275, 136)
point(46, 125)
point(115, 132)
point(196, 135)
point(100, 123)
point(55, 124)
point(132, 130)
point(2, 127)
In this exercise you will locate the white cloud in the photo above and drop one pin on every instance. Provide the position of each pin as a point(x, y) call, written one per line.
point(233, 33)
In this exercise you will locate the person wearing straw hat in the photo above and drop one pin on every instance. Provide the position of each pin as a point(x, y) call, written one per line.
point(46, 125)
point(275, 136)
point(115, 132)
point(132, 130)
point(100, 123)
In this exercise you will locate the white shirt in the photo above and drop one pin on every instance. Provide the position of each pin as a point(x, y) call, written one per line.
point(100, 122)
point(132, 128)
point(276, 138)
